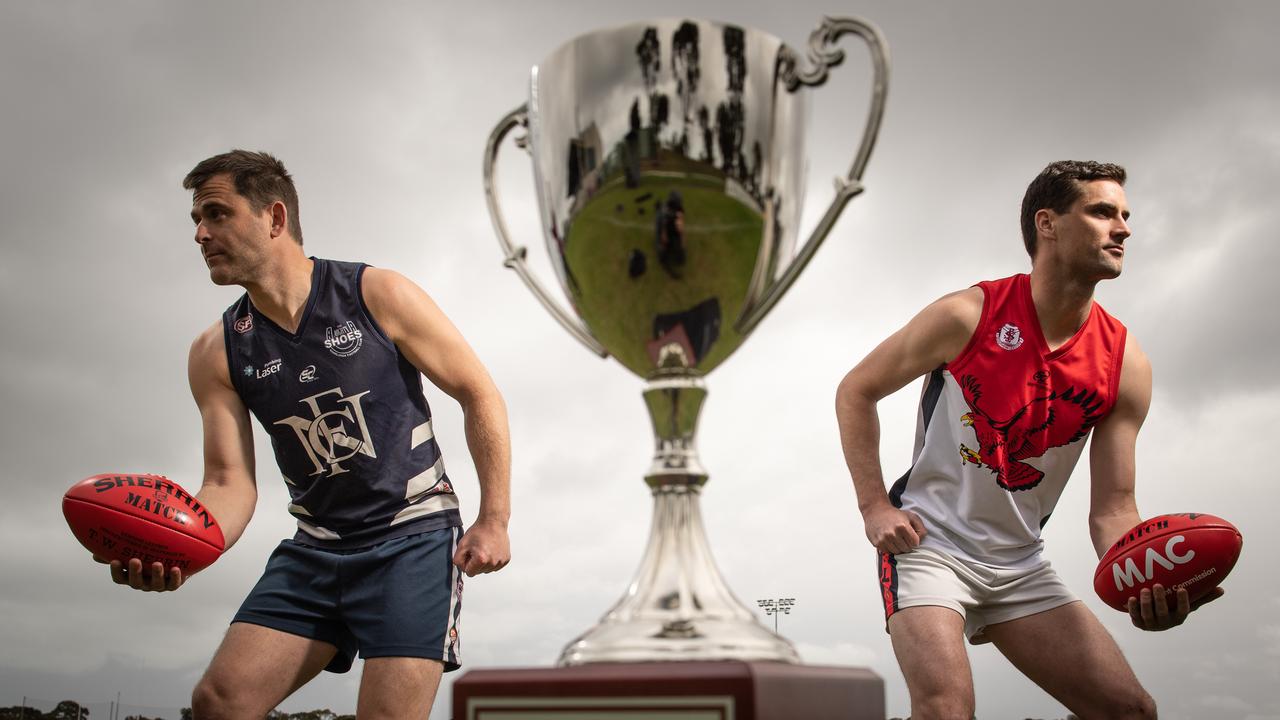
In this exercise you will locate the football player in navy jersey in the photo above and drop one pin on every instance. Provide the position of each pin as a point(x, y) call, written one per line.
point(1018, 372)
point(331, 356)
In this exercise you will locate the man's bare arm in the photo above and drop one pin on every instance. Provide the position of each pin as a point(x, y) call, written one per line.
point(933, 337)
point(1113, 507)
point(430, 341)
point(228, 489)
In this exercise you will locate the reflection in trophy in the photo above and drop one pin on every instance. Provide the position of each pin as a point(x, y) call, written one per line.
point(669, 163)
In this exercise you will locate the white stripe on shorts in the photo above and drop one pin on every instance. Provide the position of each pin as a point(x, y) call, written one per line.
point(451, 634)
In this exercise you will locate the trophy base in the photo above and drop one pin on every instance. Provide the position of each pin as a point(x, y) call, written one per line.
point(687, 690)
point(649, 640)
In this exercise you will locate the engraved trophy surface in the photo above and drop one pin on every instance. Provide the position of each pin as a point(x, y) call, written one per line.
point(669, 165)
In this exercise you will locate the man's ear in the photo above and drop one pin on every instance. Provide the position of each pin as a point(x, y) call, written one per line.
point(1045, 221)
point(279, 219)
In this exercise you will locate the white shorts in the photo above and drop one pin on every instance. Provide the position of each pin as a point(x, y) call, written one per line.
point(983, 595)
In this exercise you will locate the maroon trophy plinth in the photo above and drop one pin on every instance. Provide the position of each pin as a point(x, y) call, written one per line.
point(722, 690)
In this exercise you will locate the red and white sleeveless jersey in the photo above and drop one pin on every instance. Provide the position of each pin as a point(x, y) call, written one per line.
point(1001, 427)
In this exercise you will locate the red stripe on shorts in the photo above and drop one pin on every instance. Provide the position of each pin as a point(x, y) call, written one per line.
point(889, 583)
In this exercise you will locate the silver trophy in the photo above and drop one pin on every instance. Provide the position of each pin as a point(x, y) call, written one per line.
point(669, 163)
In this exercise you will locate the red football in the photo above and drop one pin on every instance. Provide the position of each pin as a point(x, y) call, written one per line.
point(149, 517)
point(1191, 550)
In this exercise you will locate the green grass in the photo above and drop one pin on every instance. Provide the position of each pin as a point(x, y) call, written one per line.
point(722, 238)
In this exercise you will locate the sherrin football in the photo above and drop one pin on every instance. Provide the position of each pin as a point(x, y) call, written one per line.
point(149, 517)
point(1191, 550)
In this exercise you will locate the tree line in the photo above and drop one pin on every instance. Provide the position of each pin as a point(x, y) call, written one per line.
point(71, 710)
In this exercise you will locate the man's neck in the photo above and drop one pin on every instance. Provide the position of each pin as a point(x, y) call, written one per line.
point(1062, 305)
point(281, 291)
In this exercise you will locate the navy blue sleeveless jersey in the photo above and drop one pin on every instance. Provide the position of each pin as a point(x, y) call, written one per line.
point(344, 408)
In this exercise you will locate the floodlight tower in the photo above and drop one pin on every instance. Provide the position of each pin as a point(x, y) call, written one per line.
point(776, 607)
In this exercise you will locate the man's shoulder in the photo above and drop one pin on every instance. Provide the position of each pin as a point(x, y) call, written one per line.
point(209, 338)
point(207, 358)
point(340, 263)
point(385, 281)
point(962, 306)
point(968, 304)
point(971, 295)
point(1133, 353)
point(348, 268)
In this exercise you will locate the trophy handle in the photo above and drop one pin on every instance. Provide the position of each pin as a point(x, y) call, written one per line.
point(515, 256)
point(822, 55)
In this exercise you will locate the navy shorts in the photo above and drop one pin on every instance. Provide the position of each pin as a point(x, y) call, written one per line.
point(399, 598)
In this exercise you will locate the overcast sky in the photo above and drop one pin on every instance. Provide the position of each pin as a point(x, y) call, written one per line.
point(381, 111)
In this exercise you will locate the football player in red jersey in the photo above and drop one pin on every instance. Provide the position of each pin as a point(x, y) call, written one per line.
point(1018, 372)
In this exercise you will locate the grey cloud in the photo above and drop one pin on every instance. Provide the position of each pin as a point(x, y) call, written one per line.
point(381, 114)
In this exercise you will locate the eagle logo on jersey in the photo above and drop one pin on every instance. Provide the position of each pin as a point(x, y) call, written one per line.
point(1048, 421)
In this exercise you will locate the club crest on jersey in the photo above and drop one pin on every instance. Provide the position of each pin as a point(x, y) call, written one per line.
point(1009, 337)
point(343, 340)
point(244, 324)
point(335, 432)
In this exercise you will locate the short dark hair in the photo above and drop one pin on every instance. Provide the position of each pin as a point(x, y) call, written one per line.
point(1057, 188)
point(258, 176)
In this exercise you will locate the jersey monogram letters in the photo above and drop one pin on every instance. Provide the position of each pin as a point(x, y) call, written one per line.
point(325, 432)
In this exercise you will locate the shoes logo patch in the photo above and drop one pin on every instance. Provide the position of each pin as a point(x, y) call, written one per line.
point(343, 340)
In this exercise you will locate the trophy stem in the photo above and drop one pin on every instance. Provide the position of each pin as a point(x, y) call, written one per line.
point(678, 606)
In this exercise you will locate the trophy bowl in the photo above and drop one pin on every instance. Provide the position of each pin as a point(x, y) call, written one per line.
point(669, 166)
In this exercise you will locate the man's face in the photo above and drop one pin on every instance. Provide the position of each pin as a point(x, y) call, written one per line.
point(232, 237)
point(1092, 232)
